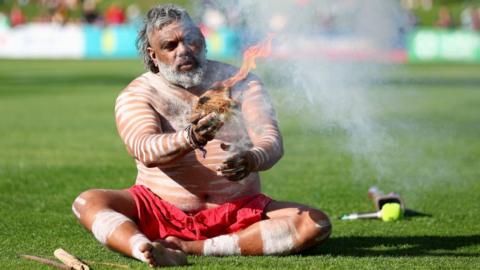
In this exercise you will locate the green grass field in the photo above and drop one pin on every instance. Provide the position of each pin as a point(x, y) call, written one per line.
point(58, 138)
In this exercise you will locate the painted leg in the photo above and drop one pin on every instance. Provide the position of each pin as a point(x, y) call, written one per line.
point(110, 215)
point(290, 228)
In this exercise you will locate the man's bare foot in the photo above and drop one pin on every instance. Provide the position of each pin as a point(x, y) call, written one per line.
point(157, 255)
point(188, 247)
point(174, 243)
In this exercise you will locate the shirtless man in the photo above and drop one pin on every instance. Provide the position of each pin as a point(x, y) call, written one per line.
point(182, 202)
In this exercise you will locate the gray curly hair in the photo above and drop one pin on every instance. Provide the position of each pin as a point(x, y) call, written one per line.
point(157, 18)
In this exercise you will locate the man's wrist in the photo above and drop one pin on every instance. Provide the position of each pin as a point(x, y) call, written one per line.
point(191, 139)
point(251, 160)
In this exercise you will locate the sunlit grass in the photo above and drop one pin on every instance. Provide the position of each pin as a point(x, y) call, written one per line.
point(58, 138)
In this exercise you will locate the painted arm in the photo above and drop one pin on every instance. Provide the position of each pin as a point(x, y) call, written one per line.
point(140, 128)
point(262, 127)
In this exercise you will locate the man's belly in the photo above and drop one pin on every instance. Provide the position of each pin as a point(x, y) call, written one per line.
point(194, 198)
point(192, 183)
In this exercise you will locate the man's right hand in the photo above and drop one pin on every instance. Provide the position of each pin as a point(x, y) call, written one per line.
point(204, 128)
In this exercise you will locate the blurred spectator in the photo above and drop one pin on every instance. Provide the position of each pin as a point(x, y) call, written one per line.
point(23, 2)
point(71, 4)
point(412, 20)
point(114, 15)
point(90, 13)
point(134, 14)
point(60, 14)
point(470, 18)
point(16, 16)
point(444, 18)
point(213, 19)
point(414, 4)
point(42, 17)
point(3, 21)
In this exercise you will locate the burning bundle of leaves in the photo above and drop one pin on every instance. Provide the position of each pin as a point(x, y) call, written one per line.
point(215, 100)
point(218, 99)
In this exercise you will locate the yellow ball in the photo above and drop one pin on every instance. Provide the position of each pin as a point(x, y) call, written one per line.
point(391, 212)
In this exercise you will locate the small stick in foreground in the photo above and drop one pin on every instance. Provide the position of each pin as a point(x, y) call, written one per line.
point(46, 261)
point(70, 260)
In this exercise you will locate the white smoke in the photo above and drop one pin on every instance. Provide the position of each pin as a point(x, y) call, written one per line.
point(321, 90)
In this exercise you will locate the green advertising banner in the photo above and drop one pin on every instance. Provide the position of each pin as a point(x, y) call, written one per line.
point(443, 45)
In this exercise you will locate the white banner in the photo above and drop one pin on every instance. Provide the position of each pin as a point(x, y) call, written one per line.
point(42, 41)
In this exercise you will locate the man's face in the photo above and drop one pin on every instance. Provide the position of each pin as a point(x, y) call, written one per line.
point(178, 50)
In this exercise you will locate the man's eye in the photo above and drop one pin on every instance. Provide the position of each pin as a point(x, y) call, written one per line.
point(193, 40)
point(169, 46)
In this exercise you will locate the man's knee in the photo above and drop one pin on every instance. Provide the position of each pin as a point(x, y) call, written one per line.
point(90, 200)
point(322, 223)
point(299, 229)
point(316, 225)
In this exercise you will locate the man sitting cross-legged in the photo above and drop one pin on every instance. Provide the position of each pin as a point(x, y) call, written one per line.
point(184, 202)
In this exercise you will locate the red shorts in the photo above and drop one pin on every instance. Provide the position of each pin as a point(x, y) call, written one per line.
point(159, 219)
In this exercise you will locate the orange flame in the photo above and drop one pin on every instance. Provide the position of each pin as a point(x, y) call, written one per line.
point(262, 49)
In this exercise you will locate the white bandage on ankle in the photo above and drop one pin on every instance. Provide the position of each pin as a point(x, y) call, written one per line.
point(135, 242)
point(278, 236)
point(105, 223)
point(223, 245)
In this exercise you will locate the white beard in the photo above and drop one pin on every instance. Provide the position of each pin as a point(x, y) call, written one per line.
point(186, 79)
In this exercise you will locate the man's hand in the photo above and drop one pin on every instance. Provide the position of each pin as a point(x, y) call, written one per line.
point(204, 128)
point(236, 167)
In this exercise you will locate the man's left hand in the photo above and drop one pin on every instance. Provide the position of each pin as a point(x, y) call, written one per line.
point(236, 167)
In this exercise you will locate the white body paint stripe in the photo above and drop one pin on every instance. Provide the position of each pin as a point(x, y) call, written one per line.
point(105, 223)
point(150, 148)
point(135, 242)
point(170, 141)
point(223, 245)
point(75, 211)
point(322, 223)
point(161, 138)
point(80, 201)
point(277, 236)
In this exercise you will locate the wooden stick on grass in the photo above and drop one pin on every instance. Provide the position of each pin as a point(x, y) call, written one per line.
point(70, 260)
point(46, 261)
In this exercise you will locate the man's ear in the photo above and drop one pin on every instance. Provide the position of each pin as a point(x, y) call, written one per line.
point(152, 55)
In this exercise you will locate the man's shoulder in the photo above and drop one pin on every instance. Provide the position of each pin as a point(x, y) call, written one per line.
point(142, 83)
point(140, 86)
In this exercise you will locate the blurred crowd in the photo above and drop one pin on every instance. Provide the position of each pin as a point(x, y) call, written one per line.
point(12, 13)
point(469, 18)
point(460, 15)
point(68, 11)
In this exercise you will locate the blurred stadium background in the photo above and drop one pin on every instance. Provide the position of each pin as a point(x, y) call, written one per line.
point(436, 30)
